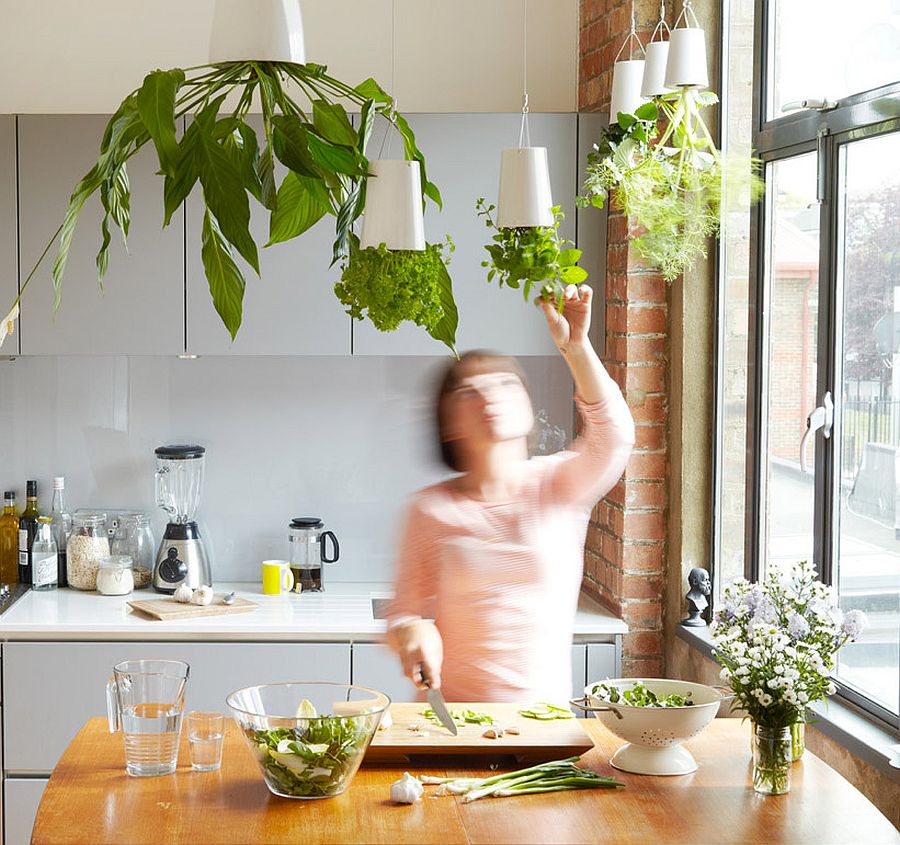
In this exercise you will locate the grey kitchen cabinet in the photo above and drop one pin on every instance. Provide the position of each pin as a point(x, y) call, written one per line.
point(21, 798)
point(141, 308)
point(8, 225)
point(462, 153)
point(78, 672)
point(290, 309)
point(376, 666)
point(602, 663)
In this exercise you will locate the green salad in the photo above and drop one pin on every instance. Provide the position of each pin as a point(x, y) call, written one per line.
point(640, 696)
point(313, 759)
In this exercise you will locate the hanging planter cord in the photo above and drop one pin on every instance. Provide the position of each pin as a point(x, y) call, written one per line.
point(687, 14)
point(662, 25)
point(630, 39)
point(524, 134)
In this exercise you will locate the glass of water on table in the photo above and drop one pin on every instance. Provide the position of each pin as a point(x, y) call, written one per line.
point(206, 732)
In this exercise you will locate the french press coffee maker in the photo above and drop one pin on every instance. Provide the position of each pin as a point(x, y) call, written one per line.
point(307, 541)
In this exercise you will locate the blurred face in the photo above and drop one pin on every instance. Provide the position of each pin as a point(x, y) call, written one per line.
point(486, 408)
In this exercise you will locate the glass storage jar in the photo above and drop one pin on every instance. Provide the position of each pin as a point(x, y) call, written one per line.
point(134, 538)
point(88, 543)
point(114, 576)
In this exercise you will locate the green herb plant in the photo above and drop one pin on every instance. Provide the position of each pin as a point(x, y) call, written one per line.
point(390, 286)
point(674, 186)
point(532, 258)
point(306, 129)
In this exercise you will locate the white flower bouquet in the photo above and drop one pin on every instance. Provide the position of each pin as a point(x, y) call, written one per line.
point(777, 642)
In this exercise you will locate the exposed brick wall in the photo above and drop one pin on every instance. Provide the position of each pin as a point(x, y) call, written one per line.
point(625, 551)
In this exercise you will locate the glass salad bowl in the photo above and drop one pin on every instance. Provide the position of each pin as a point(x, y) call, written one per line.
point(308, 737)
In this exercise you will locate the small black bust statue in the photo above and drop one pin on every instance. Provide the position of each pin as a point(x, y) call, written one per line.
point(696, 597)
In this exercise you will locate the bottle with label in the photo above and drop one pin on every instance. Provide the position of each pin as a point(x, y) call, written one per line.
point(9, 540)
point(62, 526)
point(44, 558)
point(27, 531)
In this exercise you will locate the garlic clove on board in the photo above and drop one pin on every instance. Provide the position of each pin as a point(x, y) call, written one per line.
point(407, 790)
point(203, 596)
point(183, 594)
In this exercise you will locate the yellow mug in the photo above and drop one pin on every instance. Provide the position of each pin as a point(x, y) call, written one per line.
point(277, 577)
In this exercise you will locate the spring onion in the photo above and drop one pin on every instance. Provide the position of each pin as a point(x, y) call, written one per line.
point(555, 776)
point(640, 696)
point(461, 717)
point(547, 712)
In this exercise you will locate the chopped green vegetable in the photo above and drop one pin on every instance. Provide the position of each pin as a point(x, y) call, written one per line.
point(555, 776)
point(547, 712)
point(640, 696)
point(315, 758)
point(461, 717)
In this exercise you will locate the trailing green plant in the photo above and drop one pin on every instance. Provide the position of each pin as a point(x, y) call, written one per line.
point(674, 185)
point(390, 286)
point(532, 258)
point(324, 156)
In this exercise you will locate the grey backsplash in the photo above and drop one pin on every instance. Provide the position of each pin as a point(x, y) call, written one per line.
point(346, 439)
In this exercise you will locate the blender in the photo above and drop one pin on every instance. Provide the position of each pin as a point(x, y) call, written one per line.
point(181, 558)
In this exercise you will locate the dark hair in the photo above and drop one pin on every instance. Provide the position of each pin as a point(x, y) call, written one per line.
point(479, 360)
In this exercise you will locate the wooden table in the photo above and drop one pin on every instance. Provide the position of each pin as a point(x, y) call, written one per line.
point(91, 799)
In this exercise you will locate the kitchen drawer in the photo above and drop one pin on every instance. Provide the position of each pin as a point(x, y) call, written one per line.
point(21, 798)
point(52, 689)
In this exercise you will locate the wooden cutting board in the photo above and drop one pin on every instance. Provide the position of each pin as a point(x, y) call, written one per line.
point(538, 741)
point(170, 609)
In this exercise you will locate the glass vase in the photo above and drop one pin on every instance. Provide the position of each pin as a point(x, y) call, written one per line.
point(798, 740)
point(772, 758)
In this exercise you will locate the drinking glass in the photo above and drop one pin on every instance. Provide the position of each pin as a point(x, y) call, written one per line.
point(206, 732)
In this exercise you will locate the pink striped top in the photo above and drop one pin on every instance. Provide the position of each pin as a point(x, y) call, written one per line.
point(501, 579)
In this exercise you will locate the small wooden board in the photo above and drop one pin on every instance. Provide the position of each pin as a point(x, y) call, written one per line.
point(168, 608)
point(538, 741)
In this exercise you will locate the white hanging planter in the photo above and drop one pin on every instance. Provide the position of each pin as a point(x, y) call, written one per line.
point(393, 214)
point(656, 59)
point(261, 30)
point(626, 96)
point(525, 197)
point(686, 65)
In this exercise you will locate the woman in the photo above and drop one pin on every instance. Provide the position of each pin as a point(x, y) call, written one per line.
point(495, 554)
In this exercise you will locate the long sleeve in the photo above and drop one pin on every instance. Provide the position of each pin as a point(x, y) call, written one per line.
point(597, 459)
point(415, 577)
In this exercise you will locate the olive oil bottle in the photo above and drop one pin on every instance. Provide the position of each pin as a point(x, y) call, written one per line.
point(9, 540)
point(28, 526)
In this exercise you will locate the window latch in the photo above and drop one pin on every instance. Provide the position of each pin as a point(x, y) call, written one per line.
point(821, 419)
point(816, 105)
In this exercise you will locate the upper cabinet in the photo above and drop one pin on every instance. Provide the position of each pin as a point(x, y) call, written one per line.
point(290, 309)
point(140, 310)
point(462, 153)
point(8, 226)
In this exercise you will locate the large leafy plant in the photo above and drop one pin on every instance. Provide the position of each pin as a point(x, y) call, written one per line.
point(531, 258)
point(390, 286)
point(674, 185)
point(305, 127)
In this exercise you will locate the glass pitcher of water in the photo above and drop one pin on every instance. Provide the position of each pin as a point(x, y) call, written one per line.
point(145, 700)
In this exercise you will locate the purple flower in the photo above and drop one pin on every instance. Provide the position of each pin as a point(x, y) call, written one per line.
point(855, 623)
point(753, 597)
point(797, 626)
point(765, 611)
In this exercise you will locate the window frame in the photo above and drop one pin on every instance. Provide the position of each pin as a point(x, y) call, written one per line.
point(853, 118)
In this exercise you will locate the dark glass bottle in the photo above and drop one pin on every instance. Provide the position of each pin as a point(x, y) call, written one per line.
point(28, 526)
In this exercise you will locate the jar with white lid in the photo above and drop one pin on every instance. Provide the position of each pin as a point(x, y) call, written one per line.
point(115, 576)
point(87, 543)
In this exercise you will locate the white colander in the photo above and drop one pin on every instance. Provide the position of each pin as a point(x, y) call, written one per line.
point(653, 735)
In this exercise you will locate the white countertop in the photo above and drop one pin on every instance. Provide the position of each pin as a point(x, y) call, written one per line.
point(343, 612)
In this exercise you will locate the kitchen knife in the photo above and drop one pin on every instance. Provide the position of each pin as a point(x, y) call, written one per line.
point(436, 700)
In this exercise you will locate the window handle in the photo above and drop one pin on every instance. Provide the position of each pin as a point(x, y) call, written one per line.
point(815, 104)
point(821, 419)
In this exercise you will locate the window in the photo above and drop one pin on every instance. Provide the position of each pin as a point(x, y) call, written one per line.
point(809, 317)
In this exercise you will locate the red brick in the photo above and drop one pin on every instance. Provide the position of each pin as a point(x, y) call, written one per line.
point(647, 287)
point(642, 644)
point(649, 465)
point(650, 379)
point(649, 348)
point(649, 437)
point(618, 494)
point(643, 615)
point(645, 525)
point(612, 549)
point(643, 557)
point(594, 538)
point(642, 667)
point(650, 319)
point(642, 587)
point(645, 494)
point(648, 407)
point(617, 227)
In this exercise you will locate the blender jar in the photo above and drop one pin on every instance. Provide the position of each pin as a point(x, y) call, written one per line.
point(179, 481)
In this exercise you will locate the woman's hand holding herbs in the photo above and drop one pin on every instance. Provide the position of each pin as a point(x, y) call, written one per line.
point(569, 326)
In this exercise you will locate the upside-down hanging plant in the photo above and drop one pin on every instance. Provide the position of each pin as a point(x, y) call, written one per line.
point(325, 159)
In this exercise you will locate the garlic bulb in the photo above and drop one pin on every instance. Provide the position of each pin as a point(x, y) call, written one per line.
point(203, 595)
point(407, 790)
point(184, 594)
point(386, 720)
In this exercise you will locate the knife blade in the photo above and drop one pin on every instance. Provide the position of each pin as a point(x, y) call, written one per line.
point(438, 705)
